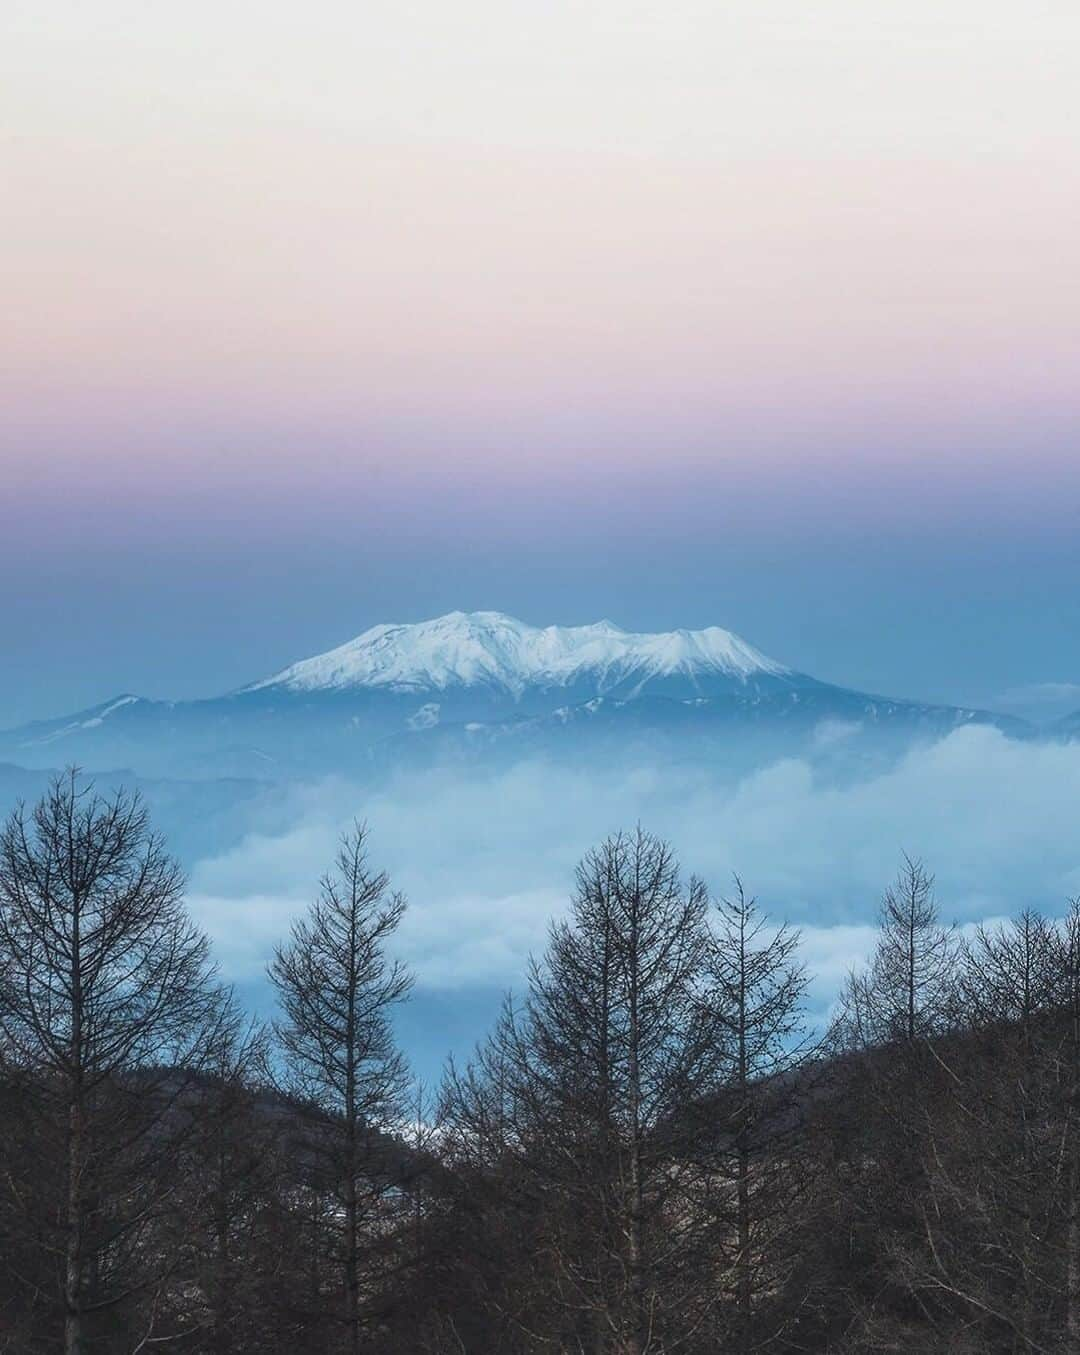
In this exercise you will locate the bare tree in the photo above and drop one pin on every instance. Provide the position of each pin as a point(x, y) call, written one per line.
point(991, 1147)
point(235, 1171)
point(893, 1018)
point(1008, 973)
point(107, 1000)
point(908, 991)
point(337, 988)
point(1067, 1003)
point(585, 1094)
point(759, 1166)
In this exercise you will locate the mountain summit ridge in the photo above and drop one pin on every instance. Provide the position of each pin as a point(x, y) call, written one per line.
point(467, 649)
point(482, 688)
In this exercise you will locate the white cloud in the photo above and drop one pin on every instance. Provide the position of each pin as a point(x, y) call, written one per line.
point(486, 861)
point(1040, 701)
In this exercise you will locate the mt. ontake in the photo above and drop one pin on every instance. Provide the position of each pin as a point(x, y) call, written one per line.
point(489, 648)
point(482, 686)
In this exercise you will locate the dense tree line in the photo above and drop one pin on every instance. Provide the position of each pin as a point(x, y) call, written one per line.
point(654, 1151)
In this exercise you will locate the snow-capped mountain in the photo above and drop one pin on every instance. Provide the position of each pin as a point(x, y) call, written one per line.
point(482, 685)
point(468, 649)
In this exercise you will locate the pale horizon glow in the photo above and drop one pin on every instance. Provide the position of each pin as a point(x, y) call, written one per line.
point(321, 314)
point(488, 208)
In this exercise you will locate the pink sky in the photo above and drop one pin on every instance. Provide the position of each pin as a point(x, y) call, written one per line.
point(526, 234)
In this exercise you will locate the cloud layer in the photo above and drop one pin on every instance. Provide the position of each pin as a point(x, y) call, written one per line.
point(487, 862)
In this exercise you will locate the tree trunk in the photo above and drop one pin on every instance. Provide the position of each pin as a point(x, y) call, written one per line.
point(635, 1344)
point(73, 1295)
point(1072, 1142)
point(221, 1315)
point(352, 1222)
point(744, 1295)
point(1072, 1149)
point(1072, 1256)
point(638, 1337)
point(744, 1298)
point(73, 1333)
point(352, 1259)
point(911, 985)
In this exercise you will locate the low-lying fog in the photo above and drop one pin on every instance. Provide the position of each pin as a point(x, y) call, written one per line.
point(486, 859)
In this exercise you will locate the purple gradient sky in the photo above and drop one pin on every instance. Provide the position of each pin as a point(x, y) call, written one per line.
point(767, 317)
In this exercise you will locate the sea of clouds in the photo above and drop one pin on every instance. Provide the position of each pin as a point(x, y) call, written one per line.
point(487, 860)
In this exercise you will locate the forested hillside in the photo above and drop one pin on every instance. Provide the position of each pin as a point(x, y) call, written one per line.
point(653, 1152)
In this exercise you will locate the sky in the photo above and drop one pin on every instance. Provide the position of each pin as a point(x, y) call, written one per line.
point(762, 315)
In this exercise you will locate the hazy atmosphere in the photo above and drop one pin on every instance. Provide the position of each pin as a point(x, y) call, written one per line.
point(531, 449)
point(757, 316)
point(691, 331)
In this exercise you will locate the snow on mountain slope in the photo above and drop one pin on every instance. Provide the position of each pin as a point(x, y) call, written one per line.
point(487, 648)
point(49, 731)
point(481, 687)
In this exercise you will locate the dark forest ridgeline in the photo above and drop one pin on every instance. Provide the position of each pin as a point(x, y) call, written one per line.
point(651, 1153)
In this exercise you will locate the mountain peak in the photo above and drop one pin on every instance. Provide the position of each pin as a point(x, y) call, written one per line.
point(467, 649)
